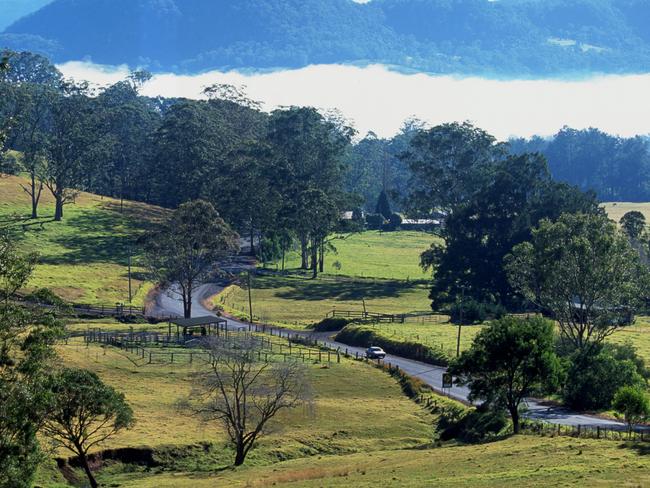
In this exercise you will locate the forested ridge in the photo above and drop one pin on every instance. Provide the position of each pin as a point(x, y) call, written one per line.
point(508, 37)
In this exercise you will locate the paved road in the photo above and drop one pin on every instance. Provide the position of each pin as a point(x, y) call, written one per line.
point(169, 304)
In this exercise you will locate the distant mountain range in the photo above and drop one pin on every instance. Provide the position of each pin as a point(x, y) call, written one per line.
point(12, 10)
point(501, 37)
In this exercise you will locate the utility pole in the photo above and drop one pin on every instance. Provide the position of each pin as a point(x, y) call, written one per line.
point(460, 322)
point(250, 299)
point(130, 292)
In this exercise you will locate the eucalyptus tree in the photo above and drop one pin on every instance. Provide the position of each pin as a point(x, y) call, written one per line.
point(310, 150)
point(186, 249)
point(584, 272)
point(73, 135)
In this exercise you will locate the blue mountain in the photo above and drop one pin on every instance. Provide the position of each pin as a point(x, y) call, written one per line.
point(503, 37)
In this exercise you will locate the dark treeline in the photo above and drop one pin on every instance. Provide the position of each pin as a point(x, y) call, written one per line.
point(616, 168)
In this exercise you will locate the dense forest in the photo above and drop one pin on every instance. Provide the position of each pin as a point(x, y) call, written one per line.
point(508, 37)
point(616, 168)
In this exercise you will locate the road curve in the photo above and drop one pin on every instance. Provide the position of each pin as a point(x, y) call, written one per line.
point(168, 303)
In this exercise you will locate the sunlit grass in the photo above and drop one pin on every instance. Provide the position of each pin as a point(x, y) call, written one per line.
point(83, 258)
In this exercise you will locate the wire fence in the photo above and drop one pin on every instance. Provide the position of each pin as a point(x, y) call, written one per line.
point(622, 433)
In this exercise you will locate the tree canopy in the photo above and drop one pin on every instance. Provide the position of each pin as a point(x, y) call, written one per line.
point(583, 271)
point(510, 359)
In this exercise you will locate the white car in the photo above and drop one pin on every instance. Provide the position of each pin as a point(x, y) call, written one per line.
point(375, 352)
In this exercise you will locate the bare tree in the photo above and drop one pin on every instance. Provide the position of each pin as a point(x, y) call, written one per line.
point(244, 392)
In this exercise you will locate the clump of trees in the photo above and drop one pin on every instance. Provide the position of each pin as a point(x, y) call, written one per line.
point(492, 201)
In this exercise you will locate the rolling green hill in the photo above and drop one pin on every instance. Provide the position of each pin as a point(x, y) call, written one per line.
point(84, 258)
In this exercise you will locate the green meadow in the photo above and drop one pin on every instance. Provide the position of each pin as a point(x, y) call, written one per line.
point(84, 258)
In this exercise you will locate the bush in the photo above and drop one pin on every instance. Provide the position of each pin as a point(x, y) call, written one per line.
point(633, 403)
point(330, 324)
point(45, 296)
point(474, 311)
point(471, 426)
point(593, 378)
point(365, 336)
point(393, 223)
point(375, 221)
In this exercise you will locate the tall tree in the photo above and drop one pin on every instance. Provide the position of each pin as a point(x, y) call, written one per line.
point(186, 249)
point(310, 151)
point(70, 141)
point(448, 164)
point(583, 271)
point(509, 360)
point(633, 223)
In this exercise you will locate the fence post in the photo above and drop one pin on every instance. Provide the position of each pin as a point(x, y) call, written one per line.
point(172, 357)
point(149, 358)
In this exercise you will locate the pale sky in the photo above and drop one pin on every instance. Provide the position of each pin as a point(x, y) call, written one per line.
point(375, 98)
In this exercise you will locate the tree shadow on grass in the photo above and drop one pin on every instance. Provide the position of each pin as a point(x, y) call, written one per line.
point(96, 237)
point(642, 448)
point(315, 290)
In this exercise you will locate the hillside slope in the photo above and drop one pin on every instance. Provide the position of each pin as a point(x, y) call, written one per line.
point(517, 37)
point(83, 258)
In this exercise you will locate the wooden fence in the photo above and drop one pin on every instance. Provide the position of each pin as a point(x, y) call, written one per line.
point(367, 316)
point(156, 347)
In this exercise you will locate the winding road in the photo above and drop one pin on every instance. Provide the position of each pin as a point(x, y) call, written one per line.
point(169, 304)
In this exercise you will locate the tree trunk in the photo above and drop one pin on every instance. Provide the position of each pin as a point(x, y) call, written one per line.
point(321, 261)
point(314, 259)
point(58, 209)
point(514, 413)
point(304, 253)
point(283, 253)
point(89, 473)
point(240, 456)
point(187, 304)
point(252, 239)
point(36, 195)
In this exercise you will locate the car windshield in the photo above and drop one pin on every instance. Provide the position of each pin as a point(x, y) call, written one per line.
point(375, 348)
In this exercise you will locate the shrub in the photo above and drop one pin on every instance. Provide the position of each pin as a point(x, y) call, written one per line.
point(474, 311)
point(593, 379)
point(393, 223)
point(364, 336)
point(471, 426)
point(330, 324)
point(45, 296)
point(633, 403)
point(374, 221)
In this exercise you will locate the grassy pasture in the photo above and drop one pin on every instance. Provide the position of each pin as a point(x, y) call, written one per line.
point(84, 257)
point(295, 302)
point(346, 395)
point(616, 210)
point(375, 254)
point(522, 461)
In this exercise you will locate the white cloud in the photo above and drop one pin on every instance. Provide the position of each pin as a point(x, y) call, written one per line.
point(378, 99)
